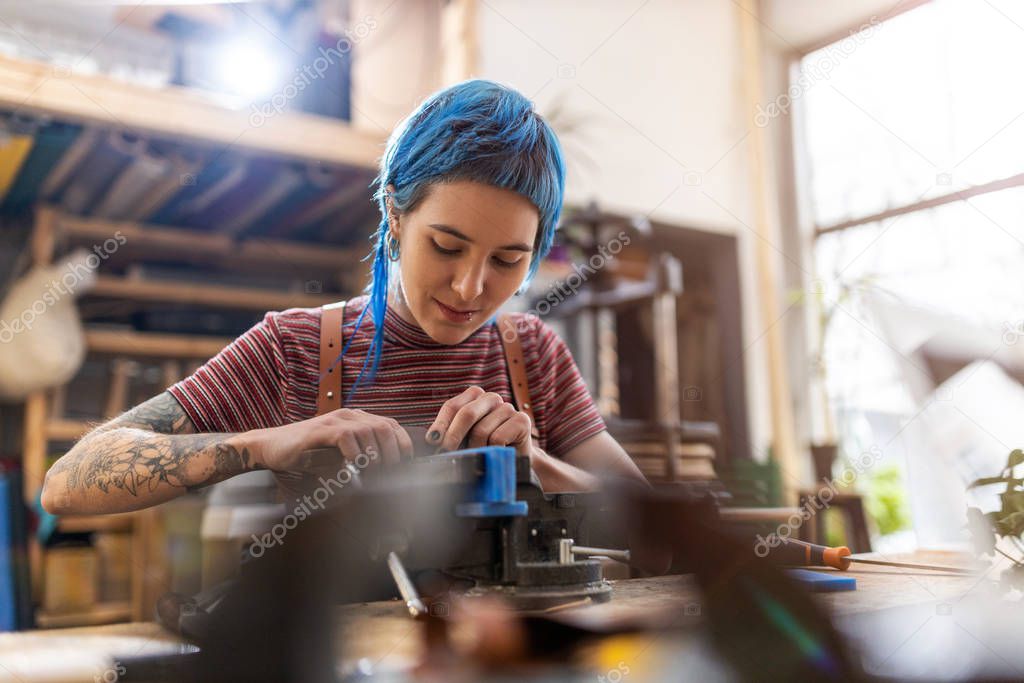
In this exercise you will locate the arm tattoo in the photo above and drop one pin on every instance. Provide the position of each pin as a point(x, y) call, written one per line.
point(142, 461)
point(157, 445)
point(162, 414)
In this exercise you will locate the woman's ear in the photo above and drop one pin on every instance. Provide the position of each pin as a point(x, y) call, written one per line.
point(393, 215)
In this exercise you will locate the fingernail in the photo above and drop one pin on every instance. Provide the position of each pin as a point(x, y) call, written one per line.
point(433, 436)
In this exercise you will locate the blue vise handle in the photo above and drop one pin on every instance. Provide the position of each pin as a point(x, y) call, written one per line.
point(494, 493)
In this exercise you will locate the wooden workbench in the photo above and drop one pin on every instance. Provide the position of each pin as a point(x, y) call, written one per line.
point(383, 633)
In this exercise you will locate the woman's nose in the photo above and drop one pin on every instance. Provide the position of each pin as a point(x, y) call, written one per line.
point(469, 282)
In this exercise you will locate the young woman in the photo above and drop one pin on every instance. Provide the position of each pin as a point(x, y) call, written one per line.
point(470, 190)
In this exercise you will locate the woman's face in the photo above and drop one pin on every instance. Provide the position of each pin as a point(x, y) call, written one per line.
point(465, 249)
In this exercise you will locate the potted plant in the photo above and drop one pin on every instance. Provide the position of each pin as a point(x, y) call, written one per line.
point(825, 446)
point(987, 529)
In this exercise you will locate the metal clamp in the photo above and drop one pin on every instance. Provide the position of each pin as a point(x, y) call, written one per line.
point(567, 549)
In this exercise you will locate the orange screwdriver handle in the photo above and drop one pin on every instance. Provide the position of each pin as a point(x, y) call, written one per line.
point(793, 552)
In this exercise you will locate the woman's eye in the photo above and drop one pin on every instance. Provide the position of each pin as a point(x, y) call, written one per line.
point(442, 250)
point(502, 263)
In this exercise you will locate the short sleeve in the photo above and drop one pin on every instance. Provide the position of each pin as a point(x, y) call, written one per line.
point(567, 415)
point(242, 387)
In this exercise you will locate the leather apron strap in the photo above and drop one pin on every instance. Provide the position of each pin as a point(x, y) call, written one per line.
point(328, 395)
point(517, 368)
point(331, 340)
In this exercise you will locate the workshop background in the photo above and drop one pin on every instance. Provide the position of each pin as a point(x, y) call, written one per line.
point(788, 260)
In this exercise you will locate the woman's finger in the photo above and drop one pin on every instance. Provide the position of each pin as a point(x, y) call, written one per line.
point(365, 436)
point(405, 446)
point(480, 433)
point(348, 444)
point(391, 452)
point(467, 416)
point(451, 407)
point(515, 431)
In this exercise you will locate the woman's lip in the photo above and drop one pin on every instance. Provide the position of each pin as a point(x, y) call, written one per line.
point(453, 313)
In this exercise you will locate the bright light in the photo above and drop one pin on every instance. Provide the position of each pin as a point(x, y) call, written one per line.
point(248, 68)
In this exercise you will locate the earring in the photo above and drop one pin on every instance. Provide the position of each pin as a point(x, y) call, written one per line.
point(393, 247)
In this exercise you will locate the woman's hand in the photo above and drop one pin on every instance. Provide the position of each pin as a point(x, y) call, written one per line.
point(353, 432)
point(485, 418)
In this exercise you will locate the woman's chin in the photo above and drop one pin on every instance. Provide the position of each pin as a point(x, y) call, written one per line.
point(440, 327)
point(449, 334)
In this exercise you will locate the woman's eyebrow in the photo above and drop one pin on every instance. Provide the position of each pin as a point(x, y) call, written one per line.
point(455, 233)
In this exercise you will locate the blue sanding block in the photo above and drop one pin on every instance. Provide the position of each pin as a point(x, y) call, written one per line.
point(822, 582)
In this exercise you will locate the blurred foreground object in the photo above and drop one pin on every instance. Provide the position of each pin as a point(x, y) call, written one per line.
point(41, 339)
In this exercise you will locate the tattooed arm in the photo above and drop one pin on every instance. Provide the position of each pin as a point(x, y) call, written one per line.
point(147, 456)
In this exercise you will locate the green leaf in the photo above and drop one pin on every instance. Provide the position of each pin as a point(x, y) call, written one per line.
point(995, 522)
point(1014, 524)
point(1013, 501)
point(1016, 458)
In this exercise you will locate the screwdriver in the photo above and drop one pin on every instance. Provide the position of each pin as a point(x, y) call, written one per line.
point(794, 552)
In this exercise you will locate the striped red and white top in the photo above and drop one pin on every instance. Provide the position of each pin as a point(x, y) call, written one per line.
point(268, 376)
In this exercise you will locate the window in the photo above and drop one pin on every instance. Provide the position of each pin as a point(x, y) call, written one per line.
point(913, 142)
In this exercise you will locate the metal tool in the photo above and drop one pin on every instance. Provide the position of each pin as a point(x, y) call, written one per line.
point(909, 565)
point(793, 552)
point(406, 587)
point(515, 553)
point(567, 549)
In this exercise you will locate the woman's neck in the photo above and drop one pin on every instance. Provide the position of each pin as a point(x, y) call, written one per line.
point(397, 303)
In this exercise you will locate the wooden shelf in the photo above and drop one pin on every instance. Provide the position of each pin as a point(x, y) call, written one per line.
point(103, 613)
point(59, 429)
point(774, 515)
point(86, 523)
point(204, 248)
point(153, 344)
point(327, 164)
point(657, 469)
point(176, 113)
point(204, 294)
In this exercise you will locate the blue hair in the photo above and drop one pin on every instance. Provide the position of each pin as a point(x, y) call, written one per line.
point(476, 130)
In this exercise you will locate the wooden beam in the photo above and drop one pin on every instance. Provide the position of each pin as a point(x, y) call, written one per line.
point(785, 450)
point(130, 343)
point(42, 237)
point(206, 247)
point(666, 365)
point(69, 161)
point(33, 455)
point(150, 570)
point(176, 113)
point(460, 49)
point(103, 613)
point(948, 198)
point(170, 372)
point(204, 294)
point(770, 515)
point(121, 372)
point(84, 523)
point(61, 429)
